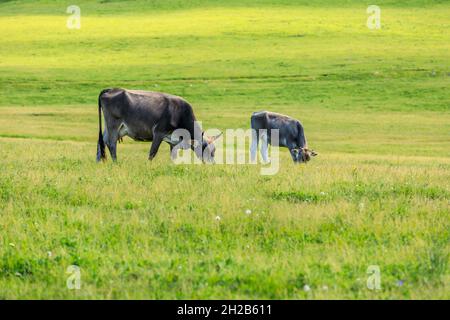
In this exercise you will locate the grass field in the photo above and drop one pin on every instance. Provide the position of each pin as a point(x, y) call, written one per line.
point(375, 105)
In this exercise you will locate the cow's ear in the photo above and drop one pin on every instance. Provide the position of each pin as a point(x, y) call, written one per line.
point(214, 138)
point(313, 153)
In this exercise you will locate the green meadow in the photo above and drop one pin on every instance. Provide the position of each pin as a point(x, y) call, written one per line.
point(375, 105)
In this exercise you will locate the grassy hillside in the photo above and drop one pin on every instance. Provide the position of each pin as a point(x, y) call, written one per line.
point(375, 105)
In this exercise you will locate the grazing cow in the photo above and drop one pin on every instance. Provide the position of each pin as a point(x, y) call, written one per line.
point(291, 135)
point(148, 116)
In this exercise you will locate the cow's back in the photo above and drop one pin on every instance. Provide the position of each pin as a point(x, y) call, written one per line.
point(149, 105)
point(270, 120)
point(141, 111)
point(290, 130)
point(258, 120)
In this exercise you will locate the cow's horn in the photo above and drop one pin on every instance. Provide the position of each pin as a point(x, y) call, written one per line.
point(214, 138)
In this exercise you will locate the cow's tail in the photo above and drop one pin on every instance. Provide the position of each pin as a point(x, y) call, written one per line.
point(101, 154)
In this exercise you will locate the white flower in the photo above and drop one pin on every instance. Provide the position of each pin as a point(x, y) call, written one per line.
point(306, 288)
point(218, 218)
point(248, 211)
point(325, 288)
point(49, 254)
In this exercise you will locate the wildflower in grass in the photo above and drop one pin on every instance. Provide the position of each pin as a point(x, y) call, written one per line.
point(306, 288)
point(248, 211)
point(49, 254)
point(218, 218)
point(325, 288)
point(400, 283)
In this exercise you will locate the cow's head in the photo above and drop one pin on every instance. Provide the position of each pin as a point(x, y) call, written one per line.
point(303, 154)
point(208, 147)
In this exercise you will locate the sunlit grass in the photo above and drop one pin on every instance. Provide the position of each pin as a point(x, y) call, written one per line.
point(151, 228)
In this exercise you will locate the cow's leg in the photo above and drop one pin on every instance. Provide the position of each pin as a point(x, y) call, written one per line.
point(111, 136)
point(173, 155)
point(157, 139)
point(175, 146)
point(167, 138)
point(294, 154)
point(111, 142)
point(265, 147)
point(254, 146)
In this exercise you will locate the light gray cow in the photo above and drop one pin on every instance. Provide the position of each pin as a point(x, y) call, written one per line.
point(291, 135)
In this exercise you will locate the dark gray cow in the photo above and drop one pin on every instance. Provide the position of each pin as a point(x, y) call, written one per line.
point(291, 135)
point(148, 116)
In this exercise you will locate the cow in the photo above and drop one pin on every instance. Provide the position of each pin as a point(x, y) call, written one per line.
point(291, 135)
point(149, 116)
